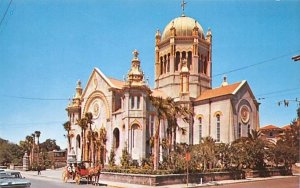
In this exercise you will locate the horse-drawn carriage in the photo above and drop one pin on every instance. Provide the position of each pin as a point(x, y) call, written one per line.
point(79, 171)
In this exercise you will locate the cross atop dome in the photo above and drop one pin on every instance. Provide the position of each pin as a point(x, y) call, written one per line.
point(183, 3)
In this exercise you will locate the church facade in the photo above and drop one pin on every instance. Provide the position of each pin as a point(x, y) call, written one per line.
point(123, 116)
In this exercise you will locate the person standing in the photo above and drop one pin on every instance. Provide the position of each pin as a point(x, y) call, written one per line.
point(39, 169)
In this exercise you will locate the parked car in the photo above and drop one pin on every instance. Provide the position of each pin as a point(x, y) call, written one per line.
point(13, 179)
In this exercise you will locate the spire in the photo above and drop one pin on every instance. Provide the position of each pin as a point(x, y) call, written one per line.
point(183, 3)
point(208, 35)
point(135, 75)
point(78, 89)
point(157, 37)
point(76, 101)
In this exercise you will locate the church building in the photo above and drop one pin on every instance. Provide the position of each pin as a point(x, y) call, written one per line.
point(123, 116)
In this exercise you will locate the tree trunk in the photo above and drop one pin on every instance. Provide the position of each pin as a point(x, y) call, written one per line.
point(69, 141)
point(82, 141)
point(156, 153)
point(156, 147)
point(174, 138)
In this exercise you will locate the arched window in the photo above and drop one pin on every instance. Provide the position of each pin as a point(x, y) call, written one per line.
point(189, 60)
point(151, 127)
point(239, 130)
point(249, 129)
point(168, 69)
point(132, 102)
point(161, 65)
point(200, 128)
point(138, 102)
point(183, 55)
point(116, 139)
point(134, 129)
point(199, 65)
point(218, 127)
point(78, 141)
point(165, 63)
point(177, 61)
point(205, 66)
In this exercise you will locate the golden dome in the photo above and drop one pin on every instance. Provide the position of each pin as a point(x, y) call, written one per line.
point(184, 27)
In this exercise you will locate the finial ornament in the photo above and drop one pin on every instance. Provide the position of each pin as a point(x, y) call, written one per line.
point(135, 54)
point(183, 3)
point(79, 83)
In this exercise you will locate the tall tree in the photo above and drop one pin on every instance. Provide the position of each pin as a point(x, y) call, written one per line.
point(49, 145)
point(38, 134)
point(90, 136)
point(67, 127)
point(163, 110)
point(176, 111)
point(10, 153)
point(30, 142)
point(82, 123)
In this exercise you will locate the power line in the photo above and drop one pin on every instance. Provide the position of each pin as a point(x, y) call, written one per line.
point(43, 99)
point(255, 64)
point(278, 91)
point(5, 12)
point(35, 98)
point(29, 125)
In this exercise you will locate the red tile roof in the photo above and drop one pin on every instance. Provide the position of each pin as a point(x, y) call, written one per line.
point(269, 127)
point(220, 91)
point(286, 127)
point(117, 83)
point(158, 93)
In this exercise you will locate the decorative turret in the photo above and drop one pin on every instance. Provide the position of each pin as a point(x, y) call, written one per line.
point(135, 75)
point(184, 75)
point(74, 107)
point(157, 37)
point(77, 97)
point(173, 30)
point(209, 36)
point(195, 29)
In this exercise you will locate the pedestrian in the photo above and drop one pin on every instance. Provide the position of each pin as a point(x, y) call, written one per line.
point(39, 169)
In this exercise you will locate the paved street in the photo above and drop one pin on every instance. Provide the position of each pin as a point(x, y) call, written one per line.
point(39, 183)
point(52, 179)
point(290, 182)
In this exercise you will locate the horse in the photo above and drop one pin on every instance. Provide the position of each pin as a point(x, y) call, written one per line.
point(94, 172)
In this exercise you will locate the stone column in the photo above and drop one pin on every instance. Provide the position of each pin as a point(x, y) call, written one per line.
point(25, 162)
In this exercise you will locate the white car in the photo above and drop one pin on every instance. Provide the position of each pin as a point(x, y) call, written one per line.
point(13, 179)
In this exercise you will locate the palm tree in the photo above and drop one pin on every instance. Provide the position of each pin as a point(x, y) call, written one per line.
point(30, 143)
point(67, 127)
point(163, 110)
point(208, 151)
point(38, 134)
point(254, 134)
point(176, 111)
point(33, 146)
point(82, 123)
point(91, 138)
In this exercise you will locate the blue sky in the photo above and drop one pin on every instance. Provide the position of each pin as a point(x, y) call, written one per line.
point(46, 46)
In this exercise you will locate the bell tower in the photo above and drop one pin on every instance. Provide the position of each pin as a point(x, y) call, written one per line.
point(183, 40)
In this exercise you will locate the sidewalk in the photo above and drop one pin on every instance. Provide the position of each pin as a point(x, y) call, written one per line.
point(45, 174)
point(56, 175)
